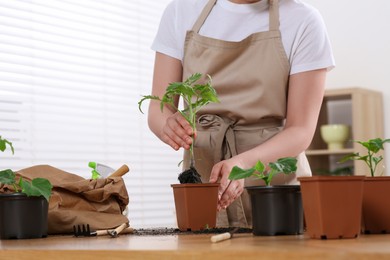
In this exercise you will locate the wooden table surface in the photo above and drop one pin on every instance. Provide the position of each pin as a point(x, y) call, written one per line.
point(196, 246)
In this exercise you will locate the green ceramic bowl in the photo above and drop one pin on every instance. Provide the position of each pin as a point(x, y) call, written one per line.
point(335, 135)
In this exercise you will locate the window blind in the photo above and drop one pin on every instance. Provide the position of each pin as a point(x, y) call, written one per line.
point(71, 74)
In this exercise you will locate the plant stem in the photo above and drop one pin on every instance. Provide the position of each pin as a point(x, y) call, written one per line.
point(369, 163)
point(15, 187)
point(192, 117)
point(192, 161)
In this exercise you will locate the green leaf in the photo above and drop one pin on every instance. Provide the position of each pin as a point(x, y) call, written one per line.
point(7, 177)
point(193, 78)
point(146, 98)
point(377, 160)
point(237, 173)
point(348, 157)
point(4, 143)
point(37, 187)
point(285, 165)
point(260, 167)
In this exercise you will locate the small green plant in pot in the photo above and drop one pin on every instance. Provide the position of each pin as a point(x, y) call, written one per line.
point(376, 207)
point(195, 96)
point(276, 209)
point(285, 165)
point(371, 159)
point(23, 204)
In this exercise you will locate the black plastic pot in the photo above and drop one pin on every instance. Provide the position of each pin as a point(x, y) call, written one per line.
point(23, 217)
point(276, 210)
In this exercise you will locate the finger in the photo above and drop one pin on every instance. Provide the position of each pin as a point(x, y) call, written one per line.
point(215, 173)
point(233, 191)
point(226, 198)
point(184, 124)
point(170, 142)
point(175, 133)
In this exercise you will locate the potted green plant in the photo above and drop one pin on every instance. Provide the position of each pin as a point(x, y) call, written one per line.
point(23, 204)
point(276, 209)
point(195, 202)
point(376, 206)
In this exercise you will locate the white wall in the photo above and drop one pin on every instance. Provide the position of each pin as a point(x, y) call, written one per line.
point(360, 34)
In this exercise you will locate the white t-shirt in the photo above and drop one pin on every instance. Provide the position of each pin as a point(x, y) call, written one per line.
point(303, 31)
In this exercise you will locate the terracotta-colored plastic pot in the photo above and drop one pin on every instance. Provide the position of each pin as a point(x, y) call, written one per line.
point(376, 205)
point(196, 205)
point(332, 206)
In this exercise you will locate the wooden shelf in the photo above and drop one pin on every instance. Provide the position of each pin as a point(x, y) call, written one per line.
point(362, 110)
point(329, 152)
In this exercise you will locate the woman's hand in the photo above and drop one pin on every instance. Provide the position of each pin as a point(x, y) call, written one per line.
point(177, 132)
point(228, 190)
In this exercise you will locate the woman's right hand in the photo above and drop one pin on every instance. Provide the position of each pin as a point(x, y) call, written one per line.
point(177, 132)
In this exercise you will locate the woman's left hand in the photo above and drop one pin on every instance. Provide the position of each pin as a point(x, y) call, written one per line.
point(228, 190)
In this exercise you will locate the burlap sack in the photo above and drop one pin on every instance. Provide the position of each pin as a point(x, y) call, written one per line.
point(75, 200)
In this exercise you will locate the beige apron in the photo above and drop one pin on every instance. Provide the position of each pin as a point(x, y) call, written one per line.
point(251, 79)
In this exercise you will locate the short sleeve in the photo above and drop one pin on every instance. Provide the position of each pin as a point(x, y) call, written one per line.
point(312, 50)
point(166, 40)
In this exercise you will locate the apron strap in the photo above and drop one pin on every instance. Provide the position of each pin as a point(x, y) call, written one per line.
point(203, 15)
point(273, 15)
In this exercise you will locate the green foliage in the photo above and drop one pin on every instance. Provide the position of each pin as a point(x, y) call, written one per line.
point(37, 187)
point(285, 165)
point(373, 146)
point(195, 96)
point(4, 143)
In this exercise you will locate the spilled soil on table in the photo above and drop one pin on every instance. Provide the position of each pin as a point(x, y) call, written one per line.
point(176, 231)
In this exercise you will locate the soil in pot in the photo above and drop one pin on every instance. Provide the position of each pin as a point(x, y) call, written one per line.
point(276, 210)
point(23, 217)
point(190, 175)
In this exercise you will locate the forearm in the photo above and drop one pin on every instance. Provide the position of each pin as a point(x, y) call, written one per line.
point(168, 124)
point(157, 118)
point(305, 96)
point(289, 142)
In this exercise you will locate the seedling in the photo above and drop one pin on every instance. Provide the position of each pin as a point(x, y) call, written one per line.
point(373, 146)
point(285, 165)
point(194, 95)
point(37, 187)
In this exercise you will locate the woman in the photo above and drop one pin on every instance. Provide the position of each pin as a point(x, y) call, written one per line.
point(268, 60)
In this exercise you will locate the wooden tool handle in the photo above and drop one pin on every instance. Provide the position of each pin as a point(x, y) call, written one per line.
point(221, 237)
point(121, 227)
point(120, 172)
point(103, 232)
point(115, 232)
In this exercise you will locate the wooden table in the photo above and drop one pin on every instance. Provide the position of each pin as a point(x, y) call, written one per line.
point(242, 246)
